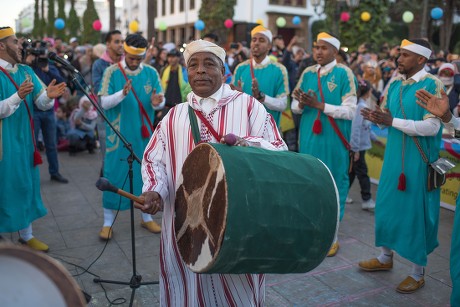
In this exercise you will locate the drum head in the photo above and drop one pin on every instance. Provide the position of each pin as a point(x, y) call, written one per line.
point(29, 278)
point(201, 208)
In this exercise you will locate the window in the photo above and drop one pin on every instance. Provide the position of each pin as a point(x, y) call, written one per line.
point(163, 7)
point(172, 6)
point(296, 3)
point(192, 4)
point(181, 5)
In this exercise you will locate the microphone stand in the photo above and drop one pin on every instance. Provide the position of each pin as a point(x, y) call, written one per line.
point(135, 281)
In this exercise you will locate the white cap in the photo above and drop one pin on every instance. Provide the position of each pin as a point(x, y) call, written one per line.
point(203, 46)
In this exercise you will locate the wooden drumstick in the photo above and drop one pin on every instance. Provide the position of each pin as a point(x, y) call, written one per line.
point(104, 184)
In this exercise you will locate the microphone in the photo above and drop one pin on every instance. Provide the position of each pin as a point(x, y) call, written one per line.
point(66, 64)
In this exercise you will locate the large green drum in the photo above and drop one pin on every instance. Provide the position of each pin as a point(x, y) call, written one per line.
point(251, 210)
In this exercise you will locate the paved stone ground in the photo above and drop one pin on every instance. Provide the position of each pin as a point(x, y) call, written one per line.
point(75, 217)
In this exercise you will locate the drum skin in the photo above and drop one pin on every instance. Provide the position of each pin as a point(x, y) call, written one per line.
point(251, 210)
point(31, 278)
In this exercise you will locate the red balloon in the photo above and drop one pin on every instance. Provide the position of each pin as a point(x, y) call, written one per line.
point(97, 25)
point(228, 23)
point(344, 16)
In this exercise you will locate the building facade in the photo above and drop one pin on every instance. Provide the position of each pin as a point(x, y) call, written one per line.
point(179, 17)
point(25, 20)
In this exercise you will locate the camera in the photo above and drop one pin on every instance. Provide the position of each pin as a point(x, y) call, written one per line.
point(39, 50)
point(233, 46)
point(36, 48)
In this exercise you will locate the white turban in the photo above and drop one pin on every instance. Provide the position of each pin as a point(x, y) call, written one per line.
point(323, 36)
point(416, 48)
point(203, 46)
point(262, 30)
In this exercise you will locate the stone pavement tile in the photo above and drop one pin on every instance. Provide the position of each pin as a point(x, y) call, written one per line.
point(304, 291)
point(442, 276)
point(143, 296)
point(382, 297)
point(359, 226)
point(46, 224)
point(148, 268)
point(145, 246)
point(71, 207)
point(348, 280)
point(274, 299)
point(82, 237)
point(77, 221)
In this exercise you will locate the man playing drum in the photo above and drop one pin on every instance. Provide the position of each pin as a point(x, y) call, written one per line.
point(227, 111)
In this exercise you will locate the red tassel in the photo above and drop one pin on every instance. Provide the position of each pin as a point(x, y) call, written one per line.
point(317, 127)
point(37, 158)
point(145, 131)
point(402, 182)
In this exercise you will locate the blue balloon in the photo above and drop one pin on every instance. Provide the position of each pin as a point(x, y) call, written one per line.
point(199, 25)
point(59, 23)
point(436, 13)
point(296, 20)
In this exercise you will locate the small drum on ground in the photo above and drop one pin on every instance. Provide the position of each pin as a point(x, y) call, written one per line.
point(30, 278)
point(250, 210)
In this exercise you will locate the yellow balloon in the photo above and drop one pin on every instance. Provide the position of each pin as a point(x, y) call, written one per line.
point(133, 26)
point(365, 16)
point(260, 22)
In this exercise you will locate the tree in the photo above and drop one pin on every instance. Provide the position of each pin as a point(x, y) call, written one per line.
point(51, 18)
point(151, 13)
point(37, 30)
point(214, 12)
point(73, 22)
point(61, 14)
point(89, 16)
point(112, 17)
point(42, 20)
point(356, 31)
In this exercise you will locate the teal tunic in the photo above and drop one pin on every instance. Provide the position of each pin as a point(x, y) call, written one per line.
point(272, 78)
point(20, 199)
point(126, 118)
point(455, 258)
point(407, 221)
point(337, 84)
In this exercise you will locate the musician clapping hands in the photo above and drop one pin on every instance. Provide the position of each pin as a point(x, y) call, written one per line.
point(378, 116)
point(308, 99)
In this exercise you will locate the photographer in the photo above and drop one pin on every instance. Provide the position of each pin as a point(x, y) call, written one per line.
point(36, 57)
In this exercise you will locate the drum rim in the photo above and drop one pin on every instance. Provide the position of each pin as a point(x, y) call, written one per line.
point(48, 265)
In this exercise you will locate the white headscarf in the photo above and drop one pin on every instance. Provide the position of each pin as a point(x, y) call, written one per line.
point(203, 46)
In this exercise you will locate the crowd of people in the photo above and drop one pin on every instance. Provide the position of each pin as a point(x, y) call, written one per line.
point(150, 90)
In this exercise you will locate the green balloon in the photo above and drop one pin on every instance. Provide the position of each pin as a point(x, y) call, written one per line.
point(280, 22)
point(408, 17)
point(162, 26)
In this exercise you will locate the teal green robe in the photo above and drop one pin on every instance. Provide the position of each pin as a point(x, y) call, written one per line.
point(455, 258)
point(338, 84)
point(126, 118)
point(407, 221)
point(20, 199)
point(272, 78)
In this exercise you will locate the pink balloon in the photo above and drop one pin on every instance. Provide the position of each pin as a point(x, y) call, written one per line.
point(344, 16)
point(228, 23)
point(97, 25)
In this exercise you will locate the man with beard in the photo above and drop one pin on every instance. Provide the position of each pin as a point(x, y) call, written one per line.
point(440, 108)
point(130, 94)
point(260, 77)
point(113, 54)
point(326, 97)
point(20, 199)
point(228, 111)
point(406, 212)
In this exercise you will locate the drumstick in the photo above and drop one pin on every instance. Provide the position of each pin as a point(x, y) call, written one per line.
point(104, 184)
